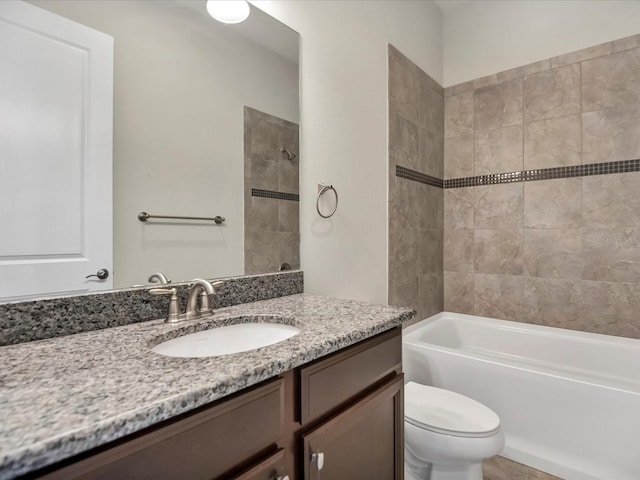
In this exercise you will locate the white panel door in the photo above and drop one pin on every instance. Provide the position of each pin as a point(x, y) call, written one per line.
point(56, 129)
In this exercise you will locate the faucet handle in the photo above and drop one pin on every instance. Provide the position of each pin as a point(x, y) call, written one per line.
point(173, 311)
point(160, 291)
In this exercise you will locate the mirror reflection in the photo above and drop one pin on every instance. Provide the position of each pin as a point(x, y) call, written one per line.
point(205, 124)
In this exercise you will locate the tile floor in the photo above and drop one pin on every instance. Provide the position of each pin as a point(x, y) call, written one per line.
point(500, 468)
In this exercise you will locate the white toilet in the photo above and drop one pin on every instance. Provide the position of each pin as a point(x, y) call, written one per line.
point(447, 435)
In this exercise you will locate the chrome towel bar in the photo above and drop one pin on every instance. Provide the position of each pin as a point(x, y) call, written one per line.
point(144, 216)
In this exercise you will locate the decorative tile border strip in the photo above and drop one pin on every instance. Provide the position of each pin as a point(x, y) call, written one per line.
point(420, 177)
point(257, 192)
point(606, 168)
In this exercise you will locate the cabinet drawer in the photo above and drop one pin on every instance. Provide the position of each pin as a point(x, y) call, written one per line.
point(330, 382)
point(204, 445)
point(271, 468)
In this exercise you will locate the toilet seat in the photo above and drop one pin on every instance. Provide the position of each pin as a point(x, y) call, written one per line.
point(446, 412)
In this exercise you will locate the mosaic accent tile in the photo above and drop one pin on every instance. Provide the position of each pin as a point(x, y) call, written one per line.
point(605, 168)
point(409, 174)
point(257, 192)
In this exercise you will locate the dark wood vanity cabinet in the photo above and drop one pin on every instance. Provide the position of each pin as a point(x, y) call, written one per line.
point(337, 418)
point(362, 442)
point(234, 438)
point(352, 413)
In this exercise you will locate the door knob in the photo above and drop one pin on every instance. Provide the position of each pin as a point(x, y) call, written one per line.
point(102, 274)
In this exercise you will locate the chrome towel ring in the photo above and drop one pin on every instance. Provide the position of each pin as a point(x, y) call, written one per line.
point(322, 189)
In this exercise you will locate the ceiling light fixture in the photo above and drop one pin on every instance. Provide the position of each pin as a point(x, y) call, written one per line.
point(228, 11)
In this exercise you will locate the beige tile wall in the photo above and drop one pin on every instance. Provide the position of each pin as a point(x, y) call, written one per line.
point(416, 133)
point(562, 252)
point(271, 226)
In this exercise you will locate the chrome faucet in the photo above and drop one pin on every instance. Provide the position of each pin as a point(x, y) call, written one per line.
point(200, 290)
point(159, 277)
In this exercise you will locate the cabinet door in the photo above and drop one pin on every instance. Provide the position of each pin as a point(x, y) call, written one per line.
point(364, 442)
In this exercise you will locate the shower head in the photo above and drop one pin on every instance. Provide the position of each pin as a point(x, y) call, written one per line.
point(290, 155)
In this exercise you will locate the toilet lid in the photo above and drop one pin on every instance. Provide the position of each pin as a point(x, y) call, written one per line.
point(447, 412)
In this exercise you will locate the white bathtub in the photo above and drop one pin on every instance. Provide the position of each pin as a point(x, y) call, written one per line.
point(569, 401)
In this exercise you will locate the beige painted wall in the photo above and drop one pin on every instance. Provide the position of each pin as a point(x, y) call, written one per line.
point(178, 132)
point(344, 125)
point(489, 36)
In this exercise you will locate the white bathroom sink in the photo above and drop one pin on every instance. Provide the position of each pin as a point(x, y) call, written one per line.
point(237, 338)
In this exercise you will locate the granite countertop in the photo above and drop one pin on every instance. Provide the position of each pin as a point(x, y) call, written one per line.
point(66, 395)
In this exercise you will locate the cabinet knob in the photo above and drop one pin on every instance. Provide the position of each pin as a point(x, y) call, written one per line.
point(318, 460)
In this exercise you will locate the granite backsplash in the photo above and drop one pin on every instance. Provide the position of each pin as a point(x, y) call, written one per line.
point(55, 317)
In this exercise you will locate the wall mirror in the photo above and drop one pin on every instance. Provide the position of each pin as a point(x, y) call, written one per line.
point(205, 124)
